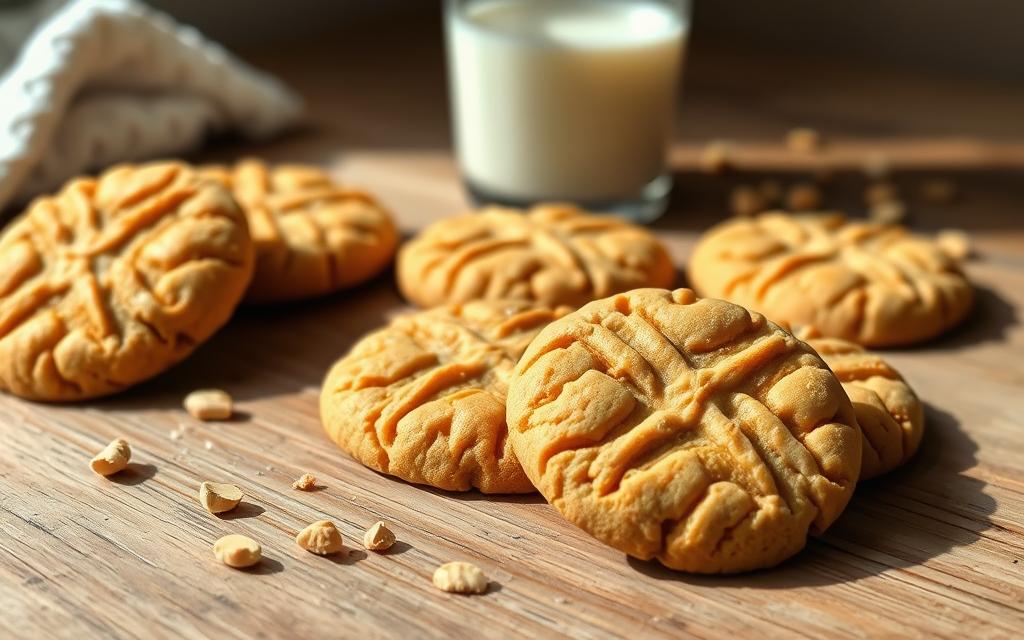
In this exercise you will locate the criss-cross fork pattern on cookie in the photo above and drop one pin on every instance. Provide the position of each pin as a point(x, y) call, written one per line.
point(114, 279)
point(688, 430)
point(312, 236)
point(552, 254)
point(873, 284)
point(890, 415)
point(424, 398)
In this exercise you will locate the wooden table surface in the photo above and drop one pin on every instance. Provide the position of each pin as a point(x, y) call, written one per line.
point(933, 549)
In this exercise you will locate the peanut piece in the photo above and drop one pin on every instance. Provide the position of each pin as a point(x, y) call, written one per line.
point(378, 537)
point(890, 212)
point(321, 537)
point(306, 482)
point(238, 551)
point(803, 197)
point(219, 497)
point(954, 243)
point(460, 577)
point(803, 140)
point(746, 201)
point(113, 458)
point(209, 404)
point(716, 158)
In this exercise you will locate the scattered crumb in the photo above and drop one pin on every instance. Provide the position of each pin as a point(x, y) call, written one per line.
point(238, 551)
point(269, 467)
point(803, 140)
point(321, 538)
point(954, 243)
point(378, 537)
point(208, 445)
point(803, 196)
point(174, 434)
point(938, 191)
point(259, 473)
point(219, 497)
point(716, 158)
point(878, 192)
point(877, 166)
point(888, 212)
point(561, 600)
point(460, 577)
point(306, 482)
point(746, 201)
point(113, 458)
point(209, 404)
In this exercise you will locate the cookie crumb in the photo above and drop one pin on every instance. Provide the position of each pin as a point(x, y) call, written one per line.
point(889, 212)
point(209, 404)
point(460, 577)
point(208, 445)
point(378, 537)
point(113, 458)
point(746, 201)
point(716, 158)
point(321, 538)
point(803, 140)
point(954, 243)
point(174, 434)
point(938, 191)
point(219, 497)
point(306, 482)
point(803, 196)
point(878, 192)
point(238, 551)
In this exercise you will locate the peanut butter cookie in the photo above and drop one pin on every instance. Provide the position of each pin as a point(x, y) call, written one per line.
point(552, 254)
point(424, 398)
point(312, 235)
point(116, 278)
point(691, 431)
point(873, 284)
point(890, 415)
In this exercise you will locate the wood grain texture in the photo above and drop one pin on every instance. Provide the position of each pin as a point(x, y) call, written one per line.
point(933, 549)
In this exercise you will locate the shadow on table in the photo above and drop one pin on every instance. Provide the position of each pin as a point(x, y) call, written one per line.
point(990, 320)
point(902, 519)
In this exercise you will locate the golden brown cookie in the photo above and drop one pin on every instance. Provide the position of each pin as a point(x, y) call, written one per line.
point(116, 278)
point(873, 284)
point(691, 431)
point(552, 254)
point(312, 236)
point(424, 398)
point(890, 415)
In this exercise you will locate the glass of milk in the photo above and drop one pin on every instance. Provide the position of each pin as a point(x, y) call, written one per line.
point(567, 100)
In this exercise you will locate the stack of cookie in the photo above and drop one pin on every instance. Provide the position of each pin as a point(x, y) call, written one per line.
point(116, 278)
point(690, 430)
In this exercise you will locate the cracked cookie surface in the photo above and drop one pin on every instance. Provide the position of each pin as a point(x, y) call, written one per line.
point(890, 415)
point(312, 235)
point(116, 278)
point(873, 284)
point(688, 430)
point(552, 254)
point(424, 398)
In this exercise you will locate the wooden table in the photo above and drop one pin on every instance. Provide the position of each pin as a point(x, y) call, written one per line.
point(933, 549)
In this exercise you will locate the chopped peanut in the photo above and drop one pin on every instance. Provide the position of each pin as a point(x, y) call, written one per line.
point(803, 196)
point(321, 537)
point(889, 212)
point(306, 482)
point(238, 551)
point(378, 537)
point(219, 497)
point(954, 243)
point(745, 201)
point(460, 577)
point(113, 458)
point(209, 404)
point(803, 140)
point(716, 158)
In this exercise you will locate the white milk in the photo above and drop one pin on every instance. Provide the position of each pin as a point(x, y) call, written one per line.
point(568, 99)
